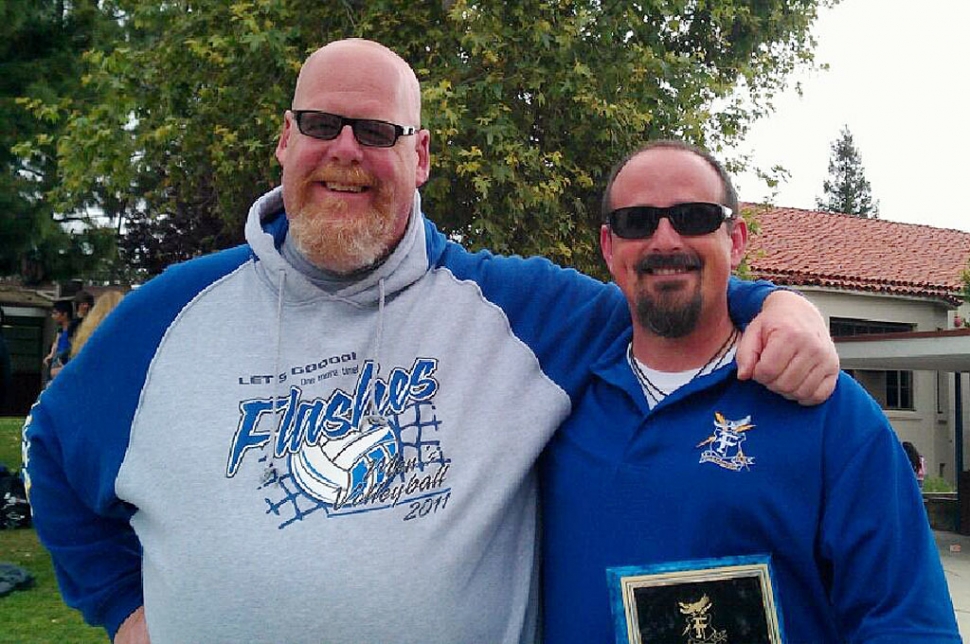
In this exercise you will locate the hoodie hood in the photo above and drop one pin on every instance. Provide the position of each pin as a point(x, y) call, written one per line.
point(266, 228)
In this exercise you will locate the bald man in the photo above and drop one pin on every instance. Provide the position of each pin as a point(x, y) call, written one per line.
point(330, 433)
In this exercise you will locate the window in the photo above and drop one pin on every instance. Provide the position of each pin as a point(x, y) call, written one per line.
point(891, 389)
point(844, 327)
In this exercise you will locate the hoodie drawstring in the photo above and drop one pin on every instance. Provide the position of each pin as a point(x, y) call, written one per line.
point(380, 323)
point(270, 473)
point(374, 418)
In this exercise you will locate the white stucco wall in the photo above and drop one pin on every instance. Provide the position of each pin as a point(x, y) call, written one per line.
point(929, 425)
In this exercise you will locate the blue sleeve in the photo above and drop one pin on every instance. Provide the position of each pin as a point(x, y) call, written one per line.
point(566, 318)
point(745, 299)
point(887, 582)
point(96, 555)
point(76, 437)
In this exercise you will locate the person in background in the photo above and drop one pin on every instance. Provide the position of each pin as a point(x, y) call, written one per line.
point(105, 303)
point(62, 312)
point(669, 459)
point(917, 462)
point(83, 302)
point(330, 434)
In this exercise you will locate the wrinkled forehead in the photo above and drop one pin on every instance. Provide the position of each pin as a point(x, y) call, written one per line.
point(362, 69)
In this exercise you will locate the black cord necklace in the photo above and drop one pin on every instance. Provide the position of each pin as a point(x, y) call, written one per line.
point(656, 394)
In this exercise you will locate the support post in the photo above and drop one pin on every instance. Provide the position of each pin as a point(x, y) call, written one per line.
point(963, 516)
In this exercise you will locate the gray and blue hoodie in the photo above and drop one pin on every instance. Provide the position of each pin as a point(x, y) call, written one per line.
point(255, 459)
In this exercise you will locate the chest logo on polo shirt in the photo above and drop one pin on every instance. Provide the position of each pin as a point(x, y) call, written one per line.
point(724, 447)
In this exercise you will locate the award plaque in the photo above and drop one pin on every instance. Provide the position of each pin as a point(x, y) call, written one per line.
point(709, 601)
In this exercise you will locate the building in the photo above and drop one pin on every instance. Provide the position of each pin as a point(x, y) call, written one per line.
point(27, 332)
point(871, 277)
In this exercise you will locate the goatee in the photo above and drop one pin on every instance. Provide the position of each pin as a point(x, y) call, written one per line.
point(671, 313)
point(666, 316)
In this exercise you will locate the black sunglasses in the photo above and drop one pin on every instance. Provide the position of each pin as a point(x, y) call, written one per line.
point(369, 132)
point(639, 222)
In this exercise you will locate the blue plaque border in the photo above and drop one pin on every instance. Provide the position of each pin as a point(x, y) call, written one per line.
point(622, 579)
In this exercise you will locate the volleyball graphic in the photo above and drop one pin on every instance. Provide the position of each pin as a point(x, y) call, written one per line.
point(345, 469)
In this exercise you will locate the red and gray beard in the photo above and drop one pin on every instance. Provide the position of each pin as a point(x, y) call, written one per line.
point(332, 241)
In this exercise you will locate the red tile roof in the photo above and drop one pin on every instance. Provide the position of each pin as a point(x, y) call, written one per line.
point(810, 248)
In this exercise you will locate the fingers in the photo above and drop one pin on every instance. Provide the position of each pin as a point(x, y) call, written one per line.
point(822, 391)
point(802, 367)
point(787, 348)
point(780, 366)
point(749, 350)
point(809, 387)
point(811, 391)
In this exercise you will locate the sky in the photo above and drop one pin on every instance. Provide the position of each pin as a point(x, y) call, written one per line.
point(899, 78)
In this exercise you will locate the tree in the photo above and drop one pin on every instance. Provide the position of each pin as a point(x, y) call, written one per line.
point(965, 279)
point(847, 190)
point(40, 48)
point(529, 103)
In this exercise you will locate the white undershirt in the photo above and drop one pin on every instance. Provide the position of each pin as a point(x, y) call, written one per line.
point(667, 382)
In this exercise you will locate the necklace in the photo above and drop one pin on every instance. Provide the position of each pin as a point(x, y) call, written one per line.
point(655, 394)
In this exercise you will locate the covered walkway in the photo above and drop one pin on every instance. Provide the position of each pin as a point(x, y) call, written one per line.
point(946, 351)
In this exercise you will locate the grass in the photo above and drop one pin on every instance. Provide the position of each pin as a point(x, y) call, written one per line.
point(37, 615)
point(10, 442)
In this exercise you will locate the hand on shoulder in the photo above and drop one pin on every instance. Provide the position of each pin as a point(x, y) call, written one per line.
point(788, 349)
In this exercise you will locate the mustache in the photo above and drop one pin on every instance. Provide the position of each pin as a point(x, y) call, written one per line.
point(342, 174)
point(655, 261)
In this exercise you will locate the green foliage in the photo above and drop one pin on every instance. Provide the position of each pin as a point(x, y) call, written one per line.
point(750, 216)
point(529, 104)
point(847, 190)
point(965, 278)
point(40, 46)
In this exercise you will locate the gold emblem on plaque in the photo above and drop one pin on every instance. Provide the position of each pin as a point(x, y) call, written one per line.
point(699, 629)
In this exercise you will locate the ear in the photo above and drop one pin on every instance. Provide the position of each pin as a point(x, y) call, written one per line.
point(606, 246)
point(284, 136)
point(739, 241)
point(422, 146)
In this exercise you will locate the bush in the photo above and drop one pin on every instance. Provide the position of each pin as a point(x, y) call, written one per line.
point(936, 484)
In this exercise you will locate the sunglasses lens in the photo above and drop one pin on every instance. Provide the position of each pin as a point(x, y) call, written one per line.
point(324, 126)
point(634, 223)
point(696, 218)
point(376, 133)
point(639, 222)
point(319, 125)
